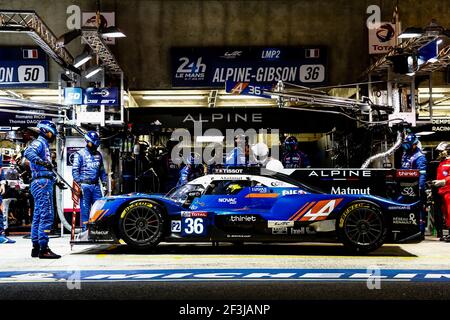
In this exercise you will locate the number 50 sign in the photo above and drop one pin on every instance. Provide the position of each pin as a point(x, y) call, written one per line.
point(31, 74)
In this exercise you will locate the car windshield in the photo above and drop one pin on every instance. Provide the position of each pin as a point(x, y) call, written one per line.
point(180, 194)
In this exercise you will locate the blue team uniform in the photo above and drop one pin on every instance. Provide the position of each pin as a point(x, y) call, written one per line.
point(87, 169)
point(42, 183)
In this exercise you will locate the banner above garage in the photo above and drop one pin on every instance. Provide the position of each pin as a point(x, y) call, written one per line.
point(145, 120)
point(23, 67)
point(211, 67)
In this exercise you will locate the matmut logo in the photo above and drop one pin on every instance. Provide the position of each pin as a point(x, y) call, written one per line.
point(316, 210)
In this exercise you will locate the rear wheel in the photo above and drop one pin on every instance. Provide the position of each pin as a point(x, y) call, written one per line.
point(361, 227)
point(141, 224)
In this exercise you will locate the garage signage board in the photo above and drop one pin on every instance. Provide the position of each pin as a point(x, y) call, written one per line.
point(23, 67)
point(30, 119)
point(211, 67)
point(101, 96)
point(382, 39)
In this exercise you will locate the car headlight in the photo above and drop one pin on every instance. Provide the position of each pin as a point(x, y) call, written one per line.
point(96, 206)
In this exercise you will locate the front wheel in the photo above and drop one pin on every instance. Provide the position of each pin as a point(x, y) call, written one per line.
point(141, 224)
point(361, 227)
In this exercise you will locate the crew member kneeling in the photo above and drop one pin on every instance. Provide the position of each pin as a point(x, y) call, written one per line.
point(86, 171)
point(43, 179)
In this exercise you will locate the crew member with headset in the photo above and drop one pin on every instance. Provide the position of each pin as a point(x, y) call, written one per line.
point(443, 183)
point(192, 170)
point(413, 158)
point(238, 156)
point(292, 157)
point(87, 169)
point(43, 179)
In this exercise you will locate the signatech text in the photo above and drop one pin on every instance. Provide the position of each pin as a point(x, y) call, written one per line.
point(242, 310)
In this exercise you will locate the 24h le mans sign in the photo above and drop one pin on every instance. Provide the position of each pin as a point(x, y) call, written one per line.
point(212, 67)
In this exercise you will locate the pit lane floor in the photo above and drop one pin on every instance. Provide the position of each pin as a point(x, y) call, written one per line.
point(251, 271)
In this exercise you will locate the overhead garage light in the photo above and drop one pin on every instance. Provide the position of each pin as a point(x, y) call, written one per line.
point(441, 107)
point(411, 32)
point(217, 139)
point(92, 71)
point(425, 133)
point(434, 95)
point(238, 97)
point(174, 97)
point(243, 104)
point(167, 105)
point(82, 59)
point(43, 98)
point(112, 32)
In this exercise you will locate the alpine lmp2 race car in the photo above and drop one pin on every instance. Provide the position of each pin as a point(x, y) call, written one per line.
point(235, 205)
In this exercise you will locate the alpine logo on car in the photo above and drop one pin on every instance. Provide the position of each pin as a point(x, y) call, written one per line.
point(316, 211)
point(341, 173)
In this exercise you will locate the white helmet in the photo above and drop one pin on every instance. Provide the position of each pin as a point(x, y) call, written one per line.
point(274, 165)
point(443, 146)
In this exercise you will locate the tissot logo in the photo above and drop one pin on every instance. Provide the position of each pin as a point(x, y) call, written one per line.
point(229, 171)
point(340, 173)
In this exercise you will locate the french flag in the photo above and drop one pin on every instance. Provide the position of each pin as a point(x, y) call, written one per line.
point(30, 53)
point(312, 53)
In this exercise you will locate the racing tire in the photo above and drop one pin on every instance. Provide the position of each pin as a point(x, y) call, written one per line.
point(141, 224)
point(361, 227)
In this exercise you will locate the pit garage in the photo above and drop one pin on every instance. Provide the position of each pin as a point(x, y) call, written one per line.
point(253, 152)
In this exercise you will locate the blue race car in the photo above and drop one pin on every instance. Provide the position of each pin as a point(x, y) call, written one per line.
point(236, 206)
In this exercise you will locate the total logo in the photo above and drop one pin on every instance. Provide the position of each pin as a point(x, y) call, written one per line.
point(228, 200)
point(385, 33)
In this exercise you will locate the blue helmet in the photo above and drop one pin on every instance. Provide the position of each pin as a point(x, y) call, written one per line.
point(93, 138)
point(291, 143)
point(410, 140)
point(46, 126)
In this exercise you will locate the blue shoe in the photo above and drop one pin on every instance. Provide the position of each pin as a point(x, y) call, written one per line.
point(4, 240)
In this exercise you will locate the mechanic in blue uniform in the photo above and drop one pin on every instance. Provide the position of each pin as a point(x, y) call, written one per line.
point(87, 169)
point(413, 158)
point(43, 179)
point(292, 157)
point(3, 238)
point(238, 156)
point(190, 171)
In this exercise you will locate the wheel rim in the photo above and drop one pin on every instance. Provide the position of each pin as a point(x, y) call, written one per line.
point(141, 224)
point(363, 227)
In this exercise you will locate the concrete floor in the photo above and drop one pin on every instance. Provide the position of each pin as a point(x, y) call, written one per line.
point(130, 272)
point(428, 254)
